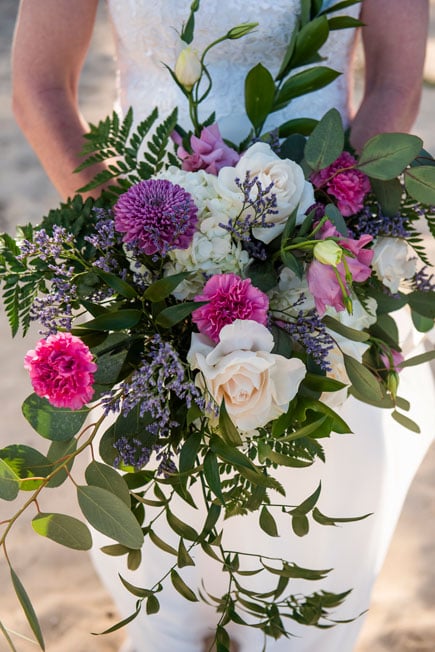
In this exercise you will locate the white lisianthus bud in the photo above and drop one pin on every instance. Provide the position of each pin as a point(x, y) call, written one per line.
point(328, 252)
point(188, 68)
point(241, 30)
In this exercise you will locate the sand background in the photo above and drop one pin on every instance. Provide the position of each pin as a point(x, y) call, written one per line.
point(64, 588)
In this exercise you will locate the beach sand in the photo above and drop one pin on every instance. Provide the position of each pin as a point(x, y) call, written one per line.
point(66, 593)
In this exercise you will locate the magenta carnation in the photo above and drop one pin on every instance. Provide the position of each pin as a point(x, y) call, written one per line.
point(229, 298)
point(343, 181)
point(322, 279)
point(156, 216)
point(209, 152)
point(61, 370)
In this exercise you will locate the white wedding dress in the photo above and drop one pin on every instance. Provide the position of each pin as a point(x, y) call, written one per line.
point(368, 471)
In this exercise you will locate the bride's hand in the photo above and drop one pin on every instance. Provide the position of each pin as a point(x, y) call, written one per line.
point(394, 40)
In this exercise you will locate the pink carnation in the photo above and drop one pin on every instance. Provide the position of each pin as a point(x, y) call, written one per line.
point(322, 279)
point(209, 152)
point(61, 370)
point(343, 181)
point(229, 298)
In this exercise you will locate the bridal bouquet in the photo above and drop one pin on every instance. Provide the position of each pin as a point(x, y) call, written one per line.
point(203, 319)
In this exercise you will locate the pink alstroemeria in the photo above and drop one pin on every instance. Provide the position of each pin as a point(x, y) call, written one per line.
point(209, 152)
point(323, 281)
point(345, 183)
point(393, 361)
point(229, 298)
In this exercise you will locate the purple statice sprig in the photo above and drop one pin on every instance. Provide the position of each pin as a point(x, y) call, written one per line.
point(258, 204)
point(371, 221)
point(423, 280)
point(160, 381)
point(310, 332)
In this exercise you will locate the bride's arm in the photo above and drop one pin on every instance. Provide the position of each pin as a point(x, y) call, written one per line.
point(394, 40)
point(50, 44)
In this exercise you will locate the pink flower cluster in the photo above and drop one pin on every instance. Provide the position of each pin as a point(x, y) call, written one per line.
point(393, 361)
point(343, 181)
point(229, 298)
point(322, 279)
point(209, 152)
point(61, 370)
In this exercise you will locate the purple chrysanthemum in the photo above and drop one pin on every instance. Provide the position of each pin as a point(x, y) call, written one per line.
point(156, 216)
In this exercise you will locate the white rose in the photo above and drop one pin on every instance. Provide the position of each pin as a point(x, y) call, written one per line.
point(358, 320)
point(338, 372)
point(257, 385)
point(390, 262)
point(289, 186)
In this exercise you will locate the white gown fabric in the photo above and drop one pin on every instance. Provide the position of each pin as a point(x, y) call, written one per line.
point(368, 471)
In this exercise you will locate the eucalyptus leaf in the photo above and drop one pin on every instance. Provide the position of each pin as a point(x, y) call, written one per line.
point(420, 183)
point(109, 514)
point(337, 219)
point(9, 485)
point(109, 366)
point(56, 453)
point(388, 194)
point(57, 424)
point(326, 142)
point(423, 303)
point(104, 476)
point(63, 529)
point(385, 156)
point(26, 463)
point(422, 324)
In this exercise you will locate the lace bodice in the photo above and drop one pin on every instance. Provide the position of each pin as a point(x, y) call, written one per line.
point(146, 34)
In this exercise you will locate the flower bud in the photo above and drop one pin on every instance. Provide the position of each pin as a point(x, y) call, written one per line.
point(188, 68)
point(241, 30)
point(328, 252)
point(393, 383)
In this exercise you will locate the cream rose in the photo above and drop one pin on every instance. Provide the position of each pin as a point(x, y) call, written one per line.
point(257, 385)
point(289, 186)
point(391, 263)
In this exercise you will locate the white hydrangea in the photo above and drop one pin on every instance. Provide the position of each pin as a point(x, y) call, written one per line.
point(290, 296)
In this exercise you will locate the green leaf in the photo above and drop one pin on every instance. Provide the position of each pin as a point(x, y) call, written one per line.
point(326, 142)
point(183, 557)
point(302, 126)
point(418, 359)
point(118, 284)
point(322, 383)
point(57, 424)
point(9, 641)
point(362, 379)
point(181, 528)
point(385, 156)
point(157, 541)
point(293, 571)
point(300, 525)
point(9, 485)
point(262, 274)
point(405, 421)
point(346, 331)
point(27, 608)
point(420, 183)
point(422, 324)
point(101, 475)
point(172, 315)
point(113, 320)
point(125, 621)
point(228, 430)
point(334, 216)
point(423, 303)
point(182, 587)
point(303, 83)
point(326, 520)
point(230, 453)
point(344, 22)
point(56, 453)
point(308, 504)
point(109, 366)
point(162, 288)
point(212, 476)
point(259, 94)
point(309, 40)
point(135, 590)
point(115, 550)
point(63, 529)
point(26, 463)
point(109, 514)
point(388, 194)
point(134, 560)
point(266, 452)
point(152, 605)
point(268, 523)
